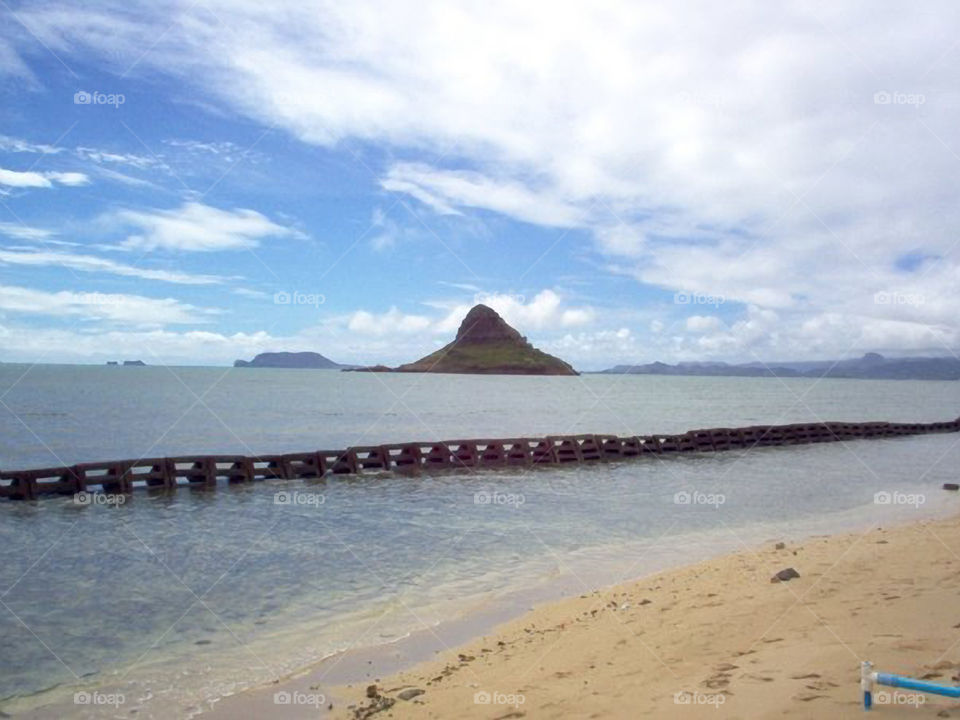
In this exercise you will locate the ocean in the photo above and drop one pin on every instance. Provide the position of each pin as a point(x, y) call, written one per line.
point(173, 601)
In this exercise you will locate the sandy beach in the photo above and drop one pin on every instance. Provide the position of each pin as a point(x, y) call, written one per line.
point(716, 639)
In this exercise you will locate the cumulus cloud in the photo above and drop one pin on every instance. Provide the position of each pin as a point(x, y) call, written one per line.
point(703, 323)
point(545, 311)
point(392, 322)
point(196, 227)
point(361, 336)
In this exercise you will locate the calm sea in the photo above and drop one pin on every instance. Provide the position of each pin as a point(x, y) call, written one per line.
point(176, 600)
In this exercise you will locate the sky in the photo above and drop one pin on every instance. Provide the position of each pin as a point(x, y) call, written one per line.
point(195, 182)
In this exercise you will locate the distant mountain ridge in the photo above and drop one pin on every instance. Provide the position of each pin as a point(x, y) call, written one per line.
point(872, 366)
point(291, 360)
point(486, 345)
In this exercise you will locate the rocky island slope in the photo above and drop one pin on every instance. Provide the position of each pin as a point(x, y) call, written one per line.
point(486, 345)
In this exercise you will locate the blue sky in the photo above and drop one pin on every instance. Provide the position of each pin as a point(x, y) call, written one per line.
point(771, 184)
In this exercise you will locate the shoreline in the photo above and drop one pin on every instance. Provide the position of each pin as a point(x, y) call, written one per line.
point(422, 658)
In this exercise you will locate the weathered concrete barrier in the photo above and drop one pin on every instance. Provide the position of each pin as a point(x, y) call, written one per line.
point(210, 471)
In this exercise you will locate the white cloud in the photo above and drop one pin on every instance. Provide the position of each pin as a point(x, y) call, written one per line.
point(114, 307)
point(31, 179)
point(442, 189)
point(140, 162)
point(597, 349)
point(16, 178)
point(72, 179)
point(153, 346)
point(364, 337)
point(12, 65)
point(24, 232)
point(198, 228)
point(545, 311)
point(392, 322)
point(703, 323)
point(12, 144)
point(92, 263)
point(736, 151)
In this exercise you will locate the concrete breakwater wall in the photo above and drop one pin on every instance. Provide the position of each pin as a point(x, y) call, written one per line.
point(209, 471)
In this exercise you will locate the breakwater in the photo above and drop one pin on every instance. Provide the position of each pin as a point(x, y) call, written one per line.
point(210, 471)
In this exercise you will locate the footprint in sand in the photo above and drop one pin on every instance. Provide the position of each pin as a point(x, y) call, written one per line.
point(807, 697)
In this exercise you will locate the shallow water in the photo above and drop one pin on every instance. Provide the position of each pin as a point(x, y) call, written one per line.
point(178, 599)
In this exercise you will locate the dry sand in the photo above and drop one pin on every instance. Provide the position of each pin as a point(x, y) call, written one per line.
point(715, 640)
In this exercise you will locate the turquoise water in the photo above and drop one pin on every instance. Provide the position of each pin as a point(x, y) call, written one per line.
point(179, 599)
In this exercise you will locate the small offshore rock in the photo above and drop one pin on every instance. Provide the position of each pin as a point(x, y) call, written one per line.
point(785, 575)
point(951, 486)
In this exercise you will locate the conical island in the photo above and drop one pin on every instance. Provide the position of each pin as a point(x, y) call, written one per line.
point(486, 345)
